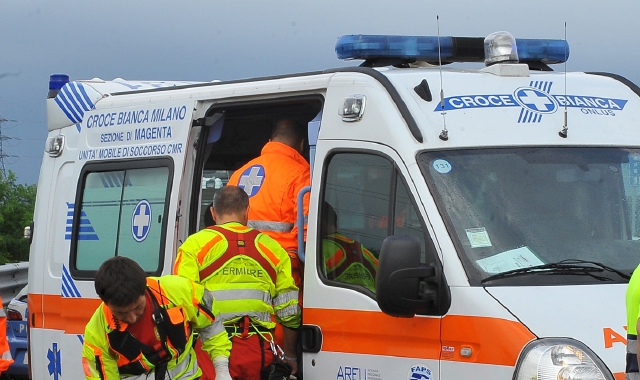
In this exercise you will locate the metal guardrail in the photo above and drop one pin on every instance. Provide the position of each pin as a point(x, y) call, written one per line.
point(13, 277)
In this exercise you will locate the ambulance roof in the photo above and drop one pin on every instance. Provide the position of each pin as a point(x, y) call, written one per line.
point(431, 96)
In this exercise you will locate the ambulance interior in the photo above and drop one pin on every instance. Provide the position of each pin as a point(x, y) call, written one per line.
point(365, 190)
point(238, 136)
point(512, 208)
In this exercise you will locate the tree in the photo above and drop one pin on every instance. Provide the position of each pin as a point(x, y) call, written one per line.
point(16, 212)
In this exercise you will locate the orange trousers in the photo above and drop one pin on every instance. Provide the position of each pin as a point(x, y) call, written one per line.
point(297, 272)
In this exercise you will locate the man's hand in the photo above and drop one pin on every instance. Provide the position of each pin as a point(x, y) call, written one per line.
point(221, 363)
point(290, 344)
point(293, 363)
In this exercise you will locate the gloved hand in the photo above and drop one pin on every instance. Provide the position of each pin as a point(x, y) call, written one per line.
point(221, 363)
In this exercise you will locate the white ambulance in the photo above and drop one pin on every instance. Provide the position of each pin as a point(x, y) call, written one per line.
point(502, 202)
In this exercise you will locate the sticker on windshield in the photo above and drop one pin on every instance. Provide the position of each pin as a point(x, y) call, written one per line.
point(517, 258)
point(478, 237)
point(442, 166)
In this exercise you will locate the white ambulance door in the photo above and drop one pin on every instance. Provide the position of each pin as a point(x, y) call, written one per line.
point(117, 203)
point(50, 245)
point(120, 209)
point(345, 335)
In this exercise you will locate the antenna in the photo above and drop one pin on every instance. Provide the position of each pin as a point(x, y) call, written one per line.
point(565, 127)
point(444, 135)
point(2, 153)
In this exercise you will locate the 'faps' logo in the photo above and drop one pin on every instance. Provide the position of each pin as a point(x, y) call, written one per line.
point(420, 372)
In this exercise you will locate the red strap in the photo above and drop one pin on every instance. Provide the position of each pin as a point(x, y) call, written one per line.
point(239, 244)
point(245, 326)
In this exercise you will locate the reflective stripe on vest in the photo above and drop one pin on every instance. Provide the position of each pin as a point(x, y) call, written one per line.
point(171, 373)
point(288, 311)
point(6, 355)
point(239, 244)
point(183, 366)
point(244, 295)
point(285, 297)
point(211, 330)
point(265, 225)
point(256, 316)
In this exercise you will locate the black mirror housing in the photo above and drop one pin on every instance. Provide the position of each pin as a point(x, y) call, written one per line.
point(406, 287)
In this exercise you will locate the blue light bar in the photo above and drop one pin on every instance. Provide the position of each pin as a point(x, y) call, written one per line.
point(545, 51)
point(407, 47)
point(57, 81)
point(452, 49)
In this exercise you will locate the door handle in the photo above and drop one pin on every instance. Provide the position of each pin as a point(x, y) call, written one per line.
point(311, 338)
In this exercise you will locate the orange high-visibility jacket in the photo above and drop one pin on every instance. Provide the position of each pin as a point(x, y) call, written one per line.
point(272, 182)
point(5, 354)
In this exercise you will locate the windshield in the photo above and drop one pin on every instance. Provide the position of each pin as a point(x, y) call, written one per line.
point(507, 209)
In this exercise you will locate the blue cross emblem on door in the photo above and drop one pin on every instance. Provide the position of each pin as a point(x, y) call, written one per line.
point(141, 220)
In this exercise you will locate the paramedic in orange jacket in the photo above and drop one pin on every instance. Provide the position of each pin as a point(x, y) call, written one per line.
point(5, 353)
point(249, 275)
point(273, 181)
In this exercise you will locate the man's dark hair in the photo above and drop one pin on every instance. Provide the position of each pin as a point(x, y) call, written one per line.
point(208, 218)
point(230, 200)
point(329, 218)
point(288, 132)
point(120, 281)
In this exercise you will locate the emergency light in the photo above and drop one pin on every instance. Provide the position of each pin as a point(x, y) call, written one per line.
point(56, 82)
point(450, 49)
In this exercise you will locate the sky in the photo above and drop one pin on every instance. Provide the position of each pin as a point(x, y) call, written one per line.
point(227, 40)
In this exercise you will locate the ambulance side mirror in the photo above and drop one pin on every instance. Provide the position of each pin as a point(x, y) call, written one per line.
point(406, 287)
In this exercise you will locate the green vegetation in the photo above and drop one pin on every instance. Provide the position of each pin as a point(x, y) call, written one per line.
point(16, 212)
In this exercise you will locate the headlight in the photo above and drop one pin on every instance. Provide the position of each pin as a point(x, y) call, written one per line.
point(559, 359)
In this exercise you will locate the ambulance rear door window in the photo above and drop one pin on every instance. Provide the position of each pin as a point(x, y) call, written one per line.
point(122, 213)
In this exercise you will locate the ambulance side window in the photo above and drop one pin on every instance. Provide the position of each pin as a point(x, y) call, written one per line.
point(363, 193)
point(122, 213)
